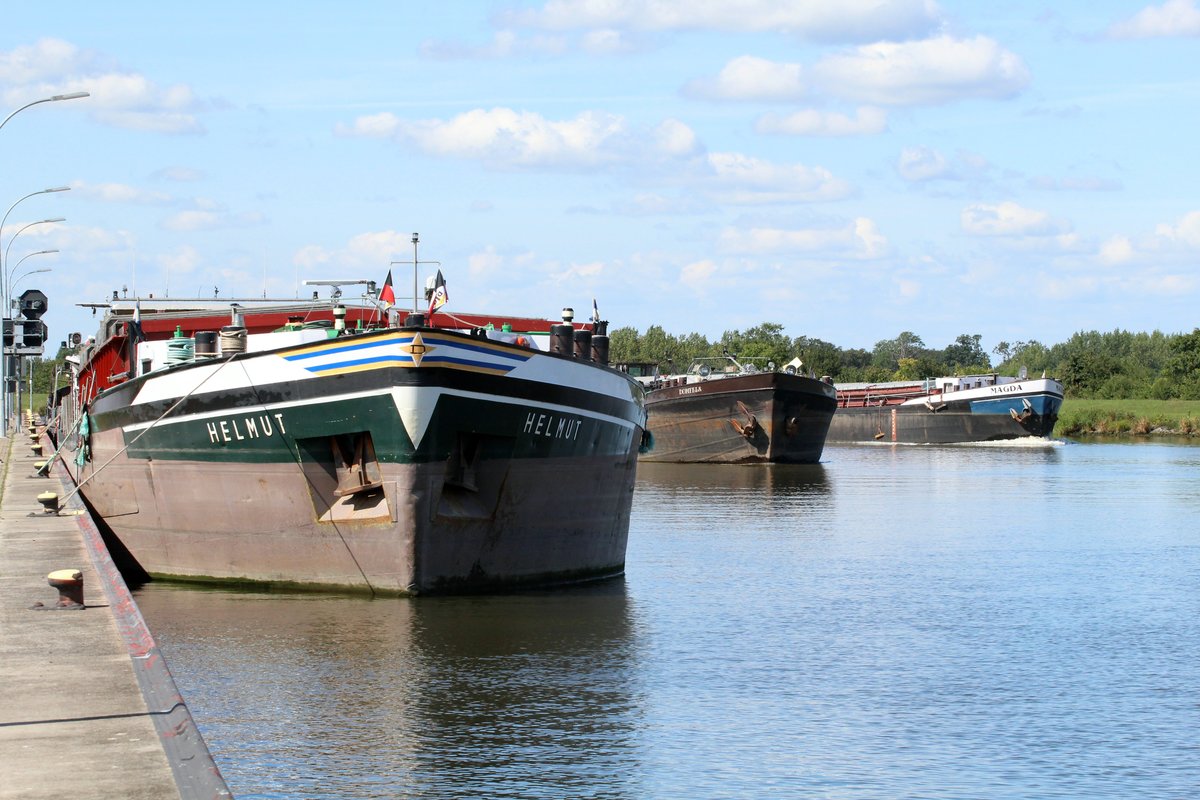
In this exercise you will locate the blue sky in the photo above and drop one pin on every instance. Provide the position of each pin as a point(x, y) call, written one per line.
point(849, 170)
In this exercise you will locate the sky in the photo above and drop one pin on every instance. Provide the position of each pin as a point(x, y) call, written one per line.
point(849, 171)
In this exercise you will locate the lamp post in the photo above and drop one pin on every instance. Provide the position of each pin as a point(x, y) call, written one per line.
point(5, 300)
point(4, 219)
point(26, 274)
point(4, 358)
point(13, 238)
point(8, 273)
point(54, 99)
point(17, 280)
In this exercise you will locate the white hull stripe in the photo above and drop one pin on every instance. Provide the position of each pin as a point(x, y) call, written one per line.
point(414, 404)
point(415, 350)
point(1028, 389)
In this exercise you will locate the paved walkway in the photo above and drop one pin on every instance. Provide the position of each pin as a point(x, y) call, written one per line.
point(88, 708)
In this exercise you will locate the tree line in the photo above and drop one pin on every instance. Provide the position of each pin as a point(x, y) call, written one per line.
point(1114, 365)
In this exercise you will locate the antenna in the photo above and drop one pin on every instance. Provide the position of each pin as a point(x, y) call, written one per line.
point(415, 263)
point(337, 284)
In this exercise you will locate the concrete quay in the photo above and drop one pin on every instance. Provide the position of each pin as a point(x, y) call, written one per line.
point(88, 708)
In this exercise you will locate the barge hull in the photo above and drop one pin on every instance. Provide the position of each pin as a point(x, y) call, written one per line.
point(377, 477)
point(768, 417)
point(918, 425)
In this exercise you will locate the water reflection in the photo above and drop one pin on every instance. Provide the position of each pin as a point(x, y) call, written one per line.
point(771, 479)
point(773, 492)
point(895, 622)
point(507, 696)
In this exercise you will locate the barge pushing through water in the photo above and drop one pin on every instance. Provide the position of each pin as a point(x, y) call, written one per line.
point(725, 410)
point(328, 444)
point(949, 410)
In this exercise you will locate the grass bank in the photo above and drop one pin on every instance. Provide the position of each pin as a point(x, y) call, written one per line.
point(1129, 417)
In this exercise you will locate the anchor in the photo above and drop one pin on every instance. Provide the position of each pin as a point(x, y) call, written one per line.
point(1025, 414)
point(751, 428)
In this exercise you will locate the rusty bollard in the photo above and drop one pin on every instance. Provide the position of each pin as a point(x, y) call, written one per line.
point(36, 448)
point(69, 583)
point(49, 501)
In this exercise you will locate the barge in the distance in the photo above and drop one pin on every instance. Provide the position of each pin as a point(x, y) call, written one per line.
point(950, 410)
point(730, 411)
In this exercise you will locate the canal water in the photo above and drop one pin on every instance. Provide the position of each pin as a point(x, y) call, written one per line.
point(1014, 621)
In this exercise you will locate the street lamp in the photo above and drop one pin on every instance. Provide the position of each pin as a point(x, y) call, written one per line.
point(4, 357)
point(17, 280)
point(54, 99)
point(4, 298)
point(8, 273)
point(13, 238)
point(4, 262)
point(26, 274)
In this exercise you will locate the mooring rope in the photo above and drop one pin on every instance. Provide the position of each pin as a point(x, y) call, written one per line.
point(79, 483)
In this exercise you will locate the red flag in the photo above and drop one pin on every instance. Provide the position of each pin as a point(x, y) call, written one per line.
point(440, 295)
point(386, 294)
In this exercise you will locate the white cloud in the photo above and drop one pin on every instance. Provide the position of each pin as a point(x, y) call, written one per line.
point(377, 247)
point(1186, 233)
point(697, 274)
point(179, 174)
point(509, 44)
point(206, 220)
point(48, 60)
point(311, 256)
point(868, 120)
point(1073, 184)
point(741, 179)
point(922, 164)
point(579, 272)
point(608, 41)
point(926, 72)
point(184, 260)
point(505, 138)
point(119, 98)
point(485, 263)
point(644, 203)
point(673, 138)
point(1066, 287)
point(1117, 250)
point(504, 44)
point(847, 20)
point(367, 251)
point(751, 78)
point(120, 193)
point(1172, 18)
point(859, 239)
point(908, 289)
point(1009, 219)
point(380, 126)
point(1169, 285)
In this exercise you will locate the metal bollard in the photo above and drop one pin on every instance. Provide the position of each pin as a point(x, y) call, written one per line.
point(49, 501)
point(69, 583)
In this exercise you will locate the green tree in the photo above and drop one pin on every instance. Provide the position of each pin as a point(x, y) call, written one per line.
point(624, 344)
point(967, 355)
point(888, 352)
point(765, 341)
point(914, 369)
point(822, 358)
point(1182, 367)
point(1084, 372)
